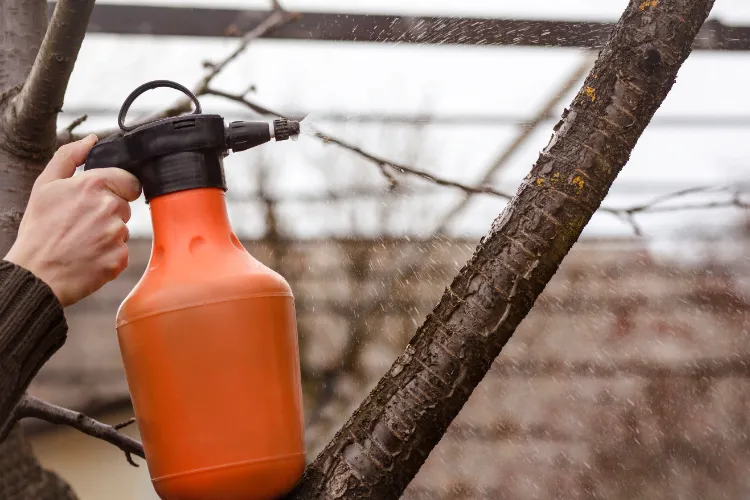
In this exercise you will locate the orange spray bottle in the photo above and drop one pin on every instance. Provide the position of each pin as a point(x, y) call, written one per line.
point(208, 336)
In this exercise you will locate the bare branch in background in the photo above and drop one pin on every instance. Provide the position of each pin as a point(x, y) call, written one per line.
point(543, 114)
point(241, 99)
point(277, 18)
point(41, 98)
point(653, 206)
point(31, 407)
point(630, 219)
point(124, 424)
point(406, 170)
point(75, 123)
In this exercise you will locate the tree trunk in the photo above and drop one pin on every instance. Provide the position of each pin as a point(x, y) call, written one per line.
point(21, 476)
point(22, 27)
point(388, 438)
point(35, 65)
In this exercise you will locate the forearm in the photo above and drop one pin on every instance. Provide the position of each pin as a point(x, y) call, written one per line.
point(32, 328)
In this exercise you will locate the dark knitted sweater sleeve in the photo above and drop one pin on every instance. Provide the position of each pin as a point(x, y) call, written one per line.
point(32, 328)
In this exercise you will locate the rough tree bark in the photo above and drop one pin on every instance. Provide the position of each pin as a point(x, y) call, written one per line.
point(35, 64)
point(381, 448)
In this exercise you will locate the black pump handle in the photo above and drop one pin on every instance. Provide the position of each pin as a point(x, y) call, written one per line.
point(150, 86)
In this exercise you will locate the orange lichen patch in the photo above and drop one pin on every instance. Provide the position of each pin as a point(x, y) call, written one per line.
point(648, 3)
point(590, 92)
point(539, 181)
point(578, 182)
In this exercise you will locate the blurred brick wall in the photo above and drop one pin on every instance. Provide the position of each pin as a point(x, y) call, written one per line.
point(629, 380)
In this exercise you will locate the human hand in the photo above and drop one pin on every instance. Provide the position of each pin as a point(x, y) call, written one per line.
point(73, 233)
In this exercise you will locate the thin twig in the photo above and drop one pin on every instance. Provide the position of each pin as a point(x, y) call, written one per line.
point(240, 98)
point(653, 206)
point(277, 18)
point(695, 206)
point(32, 407)
point(630, 219)
point(403, 169)
point(670, 196)
point(66, 135)
point(356, 193)
point(76, 123)
point(124, 424)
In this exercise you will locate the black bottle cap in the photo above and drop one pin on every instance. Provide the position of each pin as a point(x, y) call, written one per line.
point(177, 153)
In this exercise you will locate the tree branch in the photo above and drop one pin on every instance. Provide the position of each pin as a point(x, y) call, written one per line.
point(35, 108)
point(387, 439)
point(406, 170)
point(653, 206)
point(31, 407)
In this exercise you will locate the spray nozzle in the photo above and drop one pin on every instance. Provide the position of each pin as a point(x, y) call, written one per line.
point(183, 152)
point(245, 135)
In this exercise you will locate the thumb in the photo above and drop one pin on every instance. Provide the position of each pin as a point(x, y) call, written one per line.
point(66, 159)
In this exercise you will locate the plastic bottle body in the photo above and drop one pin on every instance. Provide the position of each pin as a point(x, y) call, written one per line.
point(209, 343)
